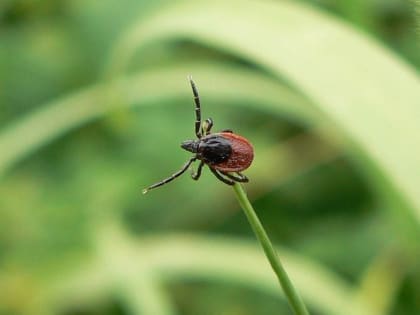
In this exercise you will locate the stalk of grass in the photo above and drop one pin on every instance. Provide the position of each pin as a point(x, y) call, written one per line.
point(292, 296)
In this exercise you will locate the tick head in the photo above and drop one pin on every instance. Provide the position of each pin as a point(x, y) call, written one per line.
point(190, 145)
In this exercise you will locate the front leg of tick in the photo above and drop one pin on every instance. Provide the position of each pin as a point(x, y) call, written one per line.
point(198, 131)
point(208, 124)
point(196, 175)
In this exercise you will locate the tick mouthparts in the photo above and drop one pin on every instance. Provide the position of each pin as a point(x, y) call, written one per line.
point(189, 145)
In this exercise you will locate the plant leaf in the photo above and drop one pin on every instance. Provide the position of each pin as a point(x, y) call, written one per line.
point(191, 256)
point(367, 95)
point(60, 116)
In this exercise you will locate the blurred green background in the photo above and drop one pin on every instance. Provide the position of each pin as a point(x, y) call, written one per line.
point(94, 103)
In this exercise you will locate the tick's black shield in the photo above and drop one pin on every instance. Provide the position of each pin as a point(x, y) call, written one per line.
point(214, 149)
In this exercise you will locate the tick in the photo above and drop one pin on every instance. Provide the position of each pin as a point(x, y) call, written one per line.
point(225, 153)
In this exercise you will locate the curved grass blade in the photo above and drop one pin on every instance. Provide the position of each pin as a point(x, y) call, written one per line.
point(367, 95)
point(58, 117)
point(180, 257)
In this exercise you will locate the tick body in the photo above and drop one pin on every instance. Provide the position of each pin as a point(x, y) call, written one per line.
point(225, 153)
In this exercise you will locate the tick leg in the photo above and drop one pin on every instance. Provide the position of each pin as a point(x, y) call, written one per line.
point(208, 124)
point(172, 177)
point(198, 132)
point(240, 178)
point(197, 175)
point(220, 177)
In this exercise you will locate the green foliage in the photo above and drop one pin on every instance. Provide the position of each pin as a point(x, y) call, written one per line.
point(94, 102)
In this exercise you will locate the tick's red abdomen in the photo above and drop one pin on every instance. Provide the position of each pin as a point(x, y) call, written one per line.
point(241, 156)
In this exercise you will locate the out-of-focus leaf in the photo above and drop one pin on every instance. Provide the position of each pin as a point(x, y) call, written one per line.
point(179, 257)
point(58, 117)
point(367, 94)
point(381, 282)
point(417, 8)
point(224, 259)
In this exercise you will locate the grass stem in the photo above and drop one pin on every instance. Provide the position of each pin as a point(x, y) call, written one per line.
point(292, 296)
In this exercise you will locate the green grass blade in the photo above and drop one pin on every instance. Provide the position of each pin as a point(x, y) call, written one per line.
point(58, 117)
point(292, 295)
point(228, 259)
point(367, 94)
point(120, 261)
